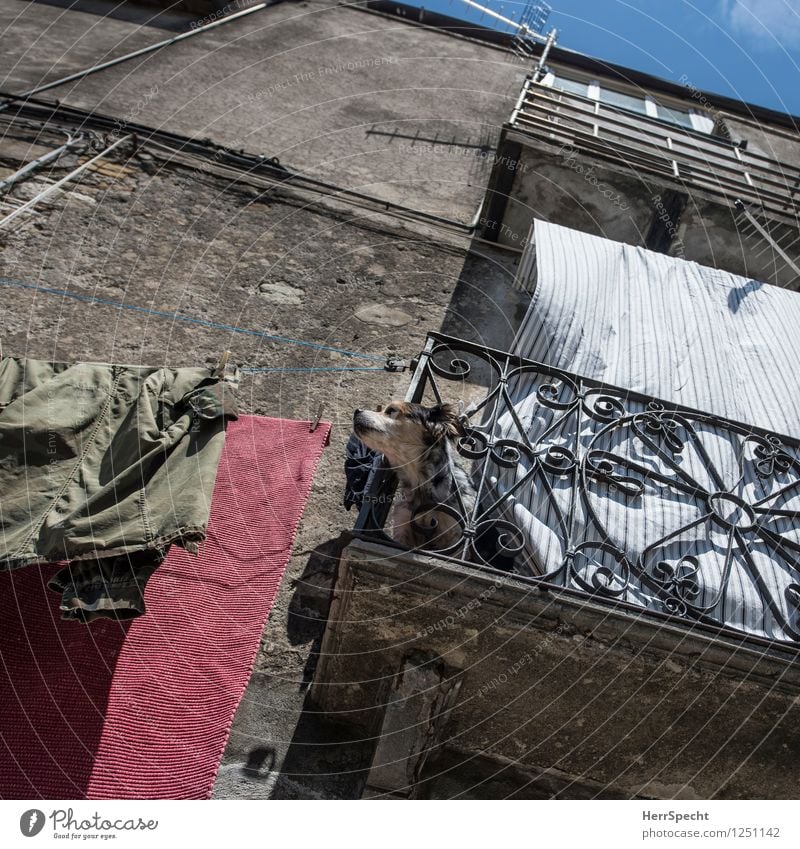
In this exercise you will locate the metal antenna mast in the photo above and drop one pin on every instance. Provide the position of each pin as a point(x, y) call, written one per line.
point(527, 31)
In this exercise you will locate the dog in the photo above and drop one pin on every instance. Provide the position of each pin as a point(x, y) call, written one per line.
point(416, 442)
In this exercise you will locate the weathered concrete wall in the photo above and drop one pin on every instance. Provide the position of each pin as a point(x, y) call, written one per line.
point(405, 113)
point(777, 143)
point(562, 685)
point(175, 240)
point(574, 190)
point(34, 53)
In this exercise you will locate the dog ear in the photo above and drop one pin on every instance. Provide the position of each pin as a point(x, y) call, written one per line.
point(446, 422)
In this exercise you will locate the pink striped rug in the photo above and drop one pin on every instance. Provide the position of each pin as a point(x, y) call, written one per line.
point(143, 709)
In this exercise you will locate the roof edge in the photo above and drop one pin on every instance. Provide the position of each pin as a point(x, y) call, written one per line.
point(416, 16)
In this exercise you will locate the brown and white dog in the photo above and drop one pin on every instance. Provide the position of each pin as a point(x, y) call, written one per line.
point(417, 444)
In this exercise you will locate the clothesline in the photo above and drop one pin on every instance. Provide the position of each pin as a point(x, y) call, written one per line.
point(286, 340)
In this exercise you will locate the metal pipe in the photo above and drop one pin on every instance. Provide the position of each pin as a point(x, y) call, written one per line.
point(46, 158)
point(72, 174)
point(520, 100)
point(551, 40)
point(144, 50)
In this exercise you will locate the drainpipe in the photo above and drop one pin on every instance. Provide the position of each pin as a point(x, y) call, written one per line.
point(43, 160)
point(71, 176)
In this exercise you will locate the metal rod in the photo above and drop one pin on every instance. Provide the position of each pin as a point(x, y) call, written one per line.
point(144, 50)
point(551, 40)
point(41, 161)
point(72, 174)
point(520, 100)
point(742, 207)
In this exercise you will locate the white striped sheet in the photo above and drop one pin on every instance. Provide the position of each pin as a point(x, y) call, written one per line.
point(673, 329)
point(695, 336)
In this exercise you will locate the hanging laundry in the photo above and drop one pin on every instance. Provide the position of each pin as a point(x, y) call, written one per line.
point(663, 326)
point(102, 468)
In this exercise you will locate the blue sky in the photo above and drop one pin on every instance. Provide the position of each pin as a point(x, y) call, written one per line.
point(747, 49)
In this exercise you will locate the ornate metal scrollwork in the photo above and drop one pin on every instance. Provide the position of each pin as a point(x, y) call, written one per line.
point(627, 498)
point(457, 369)
point(603, 579)
point(679, 583)
point(605, 466)
point(602, 406)
point(772, 457)
point(558, 460)
point(549, 395)
point(474, 444)
point(661, 425)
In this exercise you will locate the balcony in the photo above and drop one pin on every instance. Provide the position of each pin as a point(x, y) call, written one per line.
point(634, 631)
point(631, 500)
point(641, 145)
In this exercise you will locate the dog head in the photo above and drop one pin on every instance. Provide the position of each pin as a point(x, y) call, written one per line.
point(403, 432)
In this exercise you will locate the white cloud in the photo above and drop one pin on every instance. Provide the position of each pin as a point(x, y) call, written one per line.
point(764, 20)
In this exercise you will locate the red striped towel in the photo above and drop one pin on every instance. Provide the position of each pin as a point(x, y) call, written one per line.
point(143, 709)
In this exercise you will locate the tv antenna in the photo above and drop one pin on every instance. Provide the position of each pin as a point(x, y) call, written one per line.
point(528, 31)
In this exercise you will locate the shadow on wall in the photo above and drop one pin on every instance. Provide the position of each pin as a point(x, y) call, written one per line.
point(486, 307)
point(324, 759)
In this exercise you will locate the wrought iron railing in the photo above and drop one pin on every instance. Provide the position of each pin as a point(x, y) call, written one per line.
point(646, 145)
point(598, 490)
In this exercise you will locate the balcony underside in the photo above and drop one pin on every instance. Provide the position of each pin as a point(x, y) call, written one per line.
point(555, 693)
point(632, 178)
point(648, 146)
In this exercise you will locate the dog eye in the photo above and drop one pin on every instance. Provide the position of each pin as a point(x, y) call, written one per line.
point(391, 411)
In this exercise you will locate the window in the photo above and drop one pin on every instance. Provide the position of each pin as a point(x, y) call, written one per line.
point(632, 102)
point(674, 116)
point(571, 86)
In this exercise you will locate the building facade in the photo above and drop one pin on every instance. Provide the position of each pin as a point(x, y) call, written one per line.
point(553, 682)
point(364, 177)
